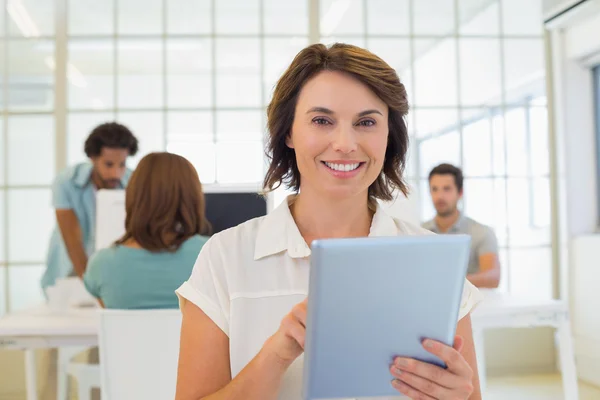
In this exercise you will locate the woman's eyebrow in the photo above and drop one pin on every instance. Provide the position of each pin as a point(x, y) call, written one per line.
point(320, 110)
point(367, 112)
point(327, 111)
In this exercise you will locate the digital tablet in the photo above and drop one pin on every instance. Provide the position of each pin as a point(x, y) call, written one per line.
point(372, 299)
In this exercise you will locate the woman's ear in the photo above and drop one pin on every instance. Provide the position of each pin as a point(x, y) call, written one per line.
point(288, 140)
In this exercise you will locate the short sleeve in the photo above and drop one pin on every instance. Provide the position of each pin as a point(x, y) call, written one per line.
point(207, 286)
point(61, 199)
point(489, 244)
point(92, 278)
point(471, 297)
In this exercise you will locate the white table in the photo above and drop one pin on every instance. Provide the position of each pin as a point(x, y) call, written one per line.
point(43, 328)
point(502, 310)
point(78, 328)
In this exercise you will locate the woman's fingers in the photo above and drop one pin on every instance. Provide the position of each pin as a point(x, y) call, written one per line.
point(454, 360)
point(424, 379)
point(458, 343)
point(425, 370)
point(299, 312)
point(295, 323)
point(294, 329)
point(410, 391)
point(423, 385)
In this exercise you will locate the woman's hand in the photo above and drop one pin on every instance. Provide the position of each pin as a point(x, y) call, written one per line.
point(423, 381)
point(288, 342)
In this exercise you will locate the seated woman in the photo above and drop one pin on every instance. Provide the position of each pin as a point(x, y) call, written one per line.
point(163, 236)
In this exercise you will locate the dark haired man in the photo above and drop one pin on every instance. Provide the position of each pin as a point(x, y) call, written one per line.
point(74, 198)
point(446, 188)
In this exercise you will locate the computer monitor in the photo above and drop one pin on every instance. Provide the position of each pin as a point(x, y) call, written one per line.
point(110, 216)
point(224, 210)
point(228, 209)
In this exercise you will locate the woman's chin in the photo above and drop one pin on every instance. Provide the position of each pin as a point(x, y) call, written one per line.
point(345, 192)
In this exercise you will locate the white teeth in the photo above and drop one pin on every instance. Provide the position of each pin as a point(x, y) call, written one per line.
point(342, 167)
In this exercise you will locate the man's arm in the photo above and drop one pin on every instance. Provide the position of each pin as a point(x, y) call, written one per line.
point(489, 265)
point(489, 272)
point(70, 231)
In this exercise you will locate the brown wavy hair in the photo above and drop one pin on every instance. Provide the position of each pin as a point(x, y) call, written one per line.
point(363, 66)
point(164, 203)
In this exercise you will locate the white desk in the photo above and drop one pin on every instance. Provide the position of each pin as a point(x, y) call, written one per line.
point(42, 328)
point(502, 310)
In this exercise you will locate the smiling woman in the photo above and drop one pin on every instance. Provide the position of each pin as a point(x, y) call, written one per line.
point(380, 86)
point(338, 138)
point(338, 143)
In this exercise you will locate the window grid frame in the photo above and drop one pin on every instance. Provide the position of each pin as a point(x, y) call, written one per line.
point(312, 35)
point(504, 107)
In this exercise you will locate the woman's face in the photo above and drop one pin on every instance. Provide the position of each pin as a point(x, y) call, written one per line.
point(339, 135)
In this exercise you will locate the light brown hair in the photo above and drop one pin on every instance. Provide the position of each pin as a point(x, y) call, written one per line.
point(164, 203)
point(363, 66)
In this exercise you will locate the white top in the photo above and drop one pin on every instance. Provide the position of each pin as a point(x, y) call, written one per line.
point(247, 278)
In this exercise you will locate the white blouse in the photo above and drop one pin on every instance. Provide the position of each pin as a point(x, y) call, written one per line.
point(247, 278)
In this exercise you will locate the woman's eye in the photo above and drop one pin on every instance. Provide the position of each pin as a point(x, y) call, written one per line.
point(366, 122)
point(320, 121)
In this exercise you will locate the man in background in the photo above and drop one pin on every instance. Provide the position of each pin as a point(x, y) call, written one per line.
point(446, 188)
point(74, 198)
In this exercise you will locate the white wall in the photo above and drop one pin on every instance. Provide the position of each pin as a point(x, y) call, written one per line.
point(577, 137)
point(583, 38)
point(586, 302)
point(574, 43)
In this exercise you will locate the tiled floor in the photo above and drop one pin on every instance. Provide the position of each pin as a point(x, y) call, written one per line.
point(538, 387)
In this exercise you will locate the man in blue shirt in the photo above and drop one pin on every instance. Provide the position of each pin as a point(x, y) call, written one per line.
point(74, 199)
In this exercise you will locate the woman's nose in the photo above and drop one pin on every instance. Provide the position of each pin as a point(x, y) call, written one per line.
point(344, 140)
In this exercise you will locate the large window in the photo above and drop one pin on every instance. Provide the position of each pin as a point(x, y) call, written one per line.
point(474, 72)
point(191, 77)
point(194, 76)
point(479, 103)
point(27, 146)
